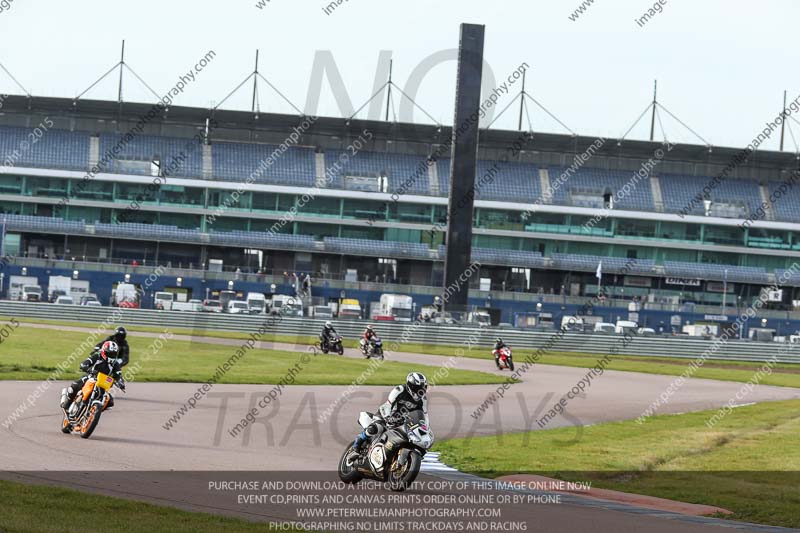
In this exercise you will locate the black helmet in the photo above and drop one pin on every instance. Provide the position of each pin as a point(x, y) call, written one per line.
point(120, 333)
point(417, 384)
point(498, 340)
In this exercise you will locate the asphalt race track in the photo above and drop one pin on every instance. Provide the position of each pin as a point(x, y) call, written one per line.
point(143, 460)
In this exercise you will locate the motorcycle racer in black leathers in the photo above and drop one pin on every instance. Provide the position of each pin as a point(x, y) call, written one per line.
point(402, 399)
point(103, 360)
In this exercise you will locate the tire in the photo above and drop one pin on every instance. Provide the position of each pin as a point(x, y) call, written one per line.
point(92, 419)
point(510, 364)
point(346, 473)
point(401, 483)
point(340, 349)
point(66, 427)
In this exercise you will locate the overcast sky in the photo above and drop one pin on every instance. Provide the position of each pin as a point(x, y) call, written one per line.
point(722, 65)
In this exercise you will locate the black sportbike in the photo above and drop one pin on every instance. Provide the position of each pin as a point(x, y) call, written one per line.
point(332, 343)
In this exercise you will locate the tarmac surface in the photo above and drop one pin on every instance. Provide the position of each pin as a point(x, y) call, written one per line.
point(304, 432)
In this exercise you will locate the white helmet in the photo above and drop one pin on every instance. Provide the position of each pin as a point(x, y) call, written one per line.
point(417, 384)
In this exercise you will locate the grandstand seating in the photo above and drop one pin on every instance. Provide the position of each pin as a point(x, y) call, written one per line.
point(789, 278)
point(586, 187)
point(377, 248)
point(716, 272)
point(679, 190)
point(496, 180)
point(43, 224)
point(237, 161)
point(787, 205)
point(589, 263)
point(145, 148)
point(54, 149)
point(515, 258)
point(408, 173)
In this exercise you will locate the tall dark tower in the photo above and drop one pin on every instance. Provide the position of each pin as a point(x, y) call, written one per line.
point(464, 159)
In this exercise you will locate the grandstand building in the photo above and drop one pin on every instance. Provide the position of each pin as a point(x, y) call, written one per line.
point(270, 194)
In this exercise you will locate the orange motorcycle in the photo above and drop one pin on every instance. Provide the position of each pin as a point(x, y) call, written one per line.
point(84, 413)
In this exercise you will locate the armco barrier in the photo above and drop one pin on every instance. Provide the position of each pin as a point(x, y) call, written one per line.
point(414, 333)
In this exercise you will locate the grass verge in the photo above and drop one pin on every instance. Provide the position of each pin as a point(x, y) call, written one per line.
point(30, 354)
point(45, 509)
point(748, 462)
point(782, 375)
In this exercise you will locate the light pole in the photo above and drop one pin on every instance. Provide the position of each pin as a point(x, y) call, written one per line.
point(724, 291)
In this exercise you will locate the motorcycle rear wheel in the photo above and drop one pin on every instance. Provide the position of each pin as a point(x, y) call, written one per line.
point(347, 473)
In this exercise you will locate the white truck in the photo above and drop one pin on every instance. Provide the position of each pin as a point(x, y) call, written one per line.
point(163, 300)
point(481, 319)
point(572, 323)
point(126, 295)
point(322, 312)
point(16, 283)
point(349, 309)
point(398, 306)
point(286, 306)
point(191, 305)
point(79, 288)
point(58, 286)
point(256, 303)
point(625, 327)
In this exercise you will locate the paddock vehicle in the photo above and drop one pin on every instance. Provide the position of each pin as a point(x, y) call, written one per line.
point(84, 413)
point(394, 457)
point(333, 343)
point(504, 359)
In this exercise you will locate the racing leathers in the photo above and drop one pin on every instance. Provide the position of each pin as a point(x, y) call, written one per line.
point(392, 412)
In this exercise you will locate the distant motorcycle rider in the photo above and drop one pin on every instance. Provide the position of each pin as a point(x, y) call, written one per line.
point(328, 333)
point(120, 337)
point(367, 337)
point(402, 399)
point(498, 344)
point(103, 360)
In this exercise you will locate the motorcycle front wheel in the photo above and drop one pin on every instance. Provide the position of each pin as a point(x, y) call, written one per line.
point(92, 419)
point(340, 349)
point(347, 472)
point(402, 476)
point(510, 364)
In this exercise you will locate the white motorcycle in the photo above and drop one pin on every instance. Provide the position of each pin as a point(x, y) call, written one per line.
point(395, 457)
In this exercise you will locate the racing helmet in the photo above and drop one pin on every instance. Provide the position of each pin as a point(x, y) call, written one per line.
point(110, 349)
point(417, 385)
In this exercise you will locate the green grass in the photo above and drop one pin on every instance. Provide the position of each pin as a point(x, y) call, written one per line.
point(33, 354)
point(749, 462)
point(44, 509)
point(783, 374)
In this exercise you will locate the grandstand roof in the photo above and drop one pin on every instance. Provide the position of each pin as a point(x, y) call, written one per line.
point(100, 116)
